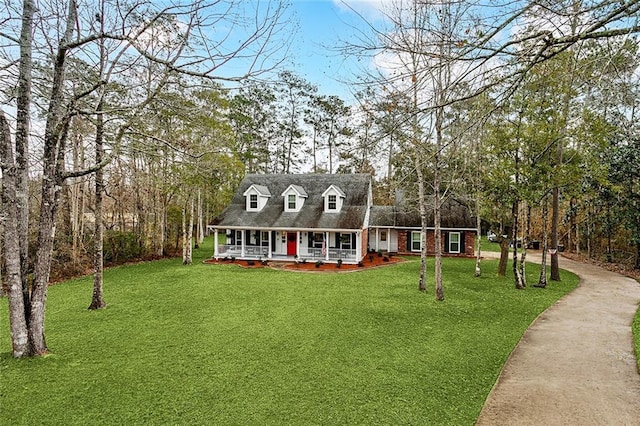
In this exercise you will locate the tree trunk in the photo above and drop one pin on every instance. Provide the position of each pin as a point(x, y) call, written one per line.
point(56, 133)
point(525, 243)
point(17, 317)
point(200, 220)
point(97, 298)
point(555, 219)
point(514, 238)
point(23, 125)
point(189, 259)
point(439, 290)
point(504, 255)
point(542, 281)
point(478, 237)
point(422, 285)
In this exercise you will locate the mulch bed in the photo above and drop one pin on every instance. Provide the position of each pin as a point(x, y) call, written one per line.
point(368, 262)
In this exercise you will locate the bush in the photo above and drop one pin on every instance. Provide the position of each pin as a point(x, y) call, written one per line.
point(121, 247)
point(250, 262)
point(385, 259)
point(360, 264)
point(339, 264)
point(319, 263)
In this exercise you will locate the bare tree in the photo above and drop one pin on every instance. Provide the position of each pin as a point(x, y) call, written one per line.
point(132, 29)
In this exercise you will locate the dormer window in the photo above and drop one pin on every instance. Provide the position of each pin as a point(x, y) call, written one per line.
point(256, 197)
point(294, 197)
point(332, 203)
point(333, 199)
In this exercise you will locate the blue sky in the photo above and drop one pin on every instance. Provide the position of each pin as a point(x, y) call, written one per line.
point(322, 24)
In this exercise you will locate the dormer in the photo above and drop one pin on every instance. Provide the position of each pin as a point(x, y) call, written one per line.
point(333, 199)
point(294, 197)
point(256, 197)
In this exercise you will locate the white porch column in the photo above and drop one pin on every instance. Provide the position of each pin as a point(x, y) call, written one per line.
point(389, 239)
point(377, 239)
point(269, 251)
point(242, 242)
point(326, 245)
point(215, 243)
point(358, 246)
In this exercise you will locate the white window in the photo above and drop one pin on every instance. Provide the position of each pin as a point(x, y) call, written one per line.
point(291, 201)
point(238, 237)
point(265, 239)
point(318, 239)
point(383, 235)
point(416, 241)
point(332, 203)
point(333, 199)
point(454, 242)
point(253, 201)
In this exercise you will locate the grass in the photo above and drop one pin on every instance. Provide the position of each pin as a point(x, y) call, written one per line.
point(224, 345)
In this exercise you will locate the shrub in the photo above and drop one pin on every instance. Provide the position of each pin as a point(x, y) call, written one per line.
point(360, 264)
point(339, 264)
point(250, 262)
point(319, 263)
point(122, 246)
point(385, 259)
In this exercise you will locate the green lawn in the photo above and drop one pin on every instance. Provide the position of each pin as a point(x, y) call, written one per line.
point(223, 345)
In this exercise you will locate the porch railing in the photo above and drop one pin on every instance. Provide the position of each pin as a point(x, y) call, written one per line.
point(257, 252)
point(235, 250)
point(334, 254)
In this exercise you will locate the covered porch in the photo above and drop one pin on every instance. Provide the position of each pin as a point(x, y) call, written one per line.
point(289, 245)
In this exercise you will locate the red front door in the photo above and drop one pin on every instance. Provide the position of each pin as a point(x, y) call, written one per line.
point(292, 247)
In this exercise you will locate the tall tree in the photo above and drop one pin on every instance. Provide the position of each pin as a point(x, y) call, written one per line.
point(71, 33)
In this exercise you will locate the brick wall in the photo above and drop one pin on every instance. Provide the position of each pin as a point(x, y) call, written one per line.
point(365, 242)
point(467, 244)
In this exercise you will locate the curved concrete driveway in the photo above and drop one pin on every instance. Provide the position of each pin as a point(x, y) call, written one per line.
point(576, 364)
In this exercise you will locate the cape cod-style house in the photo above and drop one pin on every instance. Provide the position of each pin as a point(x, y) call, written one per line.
point(326, 217)
point(314, 217)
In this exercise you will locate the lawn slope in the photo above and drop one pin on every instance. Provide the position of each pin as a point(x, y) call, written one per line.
point(218, 344)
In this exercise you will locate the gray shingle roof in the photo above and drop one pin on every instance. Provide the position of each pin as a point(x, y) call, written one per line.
point(311, 216)
point(454, 214)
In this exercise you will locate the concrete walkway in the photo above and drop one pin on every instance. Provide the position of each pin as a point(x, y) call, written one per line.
point(576, 364)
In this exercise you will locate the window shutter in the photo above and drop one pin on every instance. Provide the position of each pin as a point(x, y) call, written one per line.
point(309, 239)
point(353, 241)
point(446, 242)
point(273, 241)
point(463, 244)
point(408, 240)
point(337, 242)
point(247, 238)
